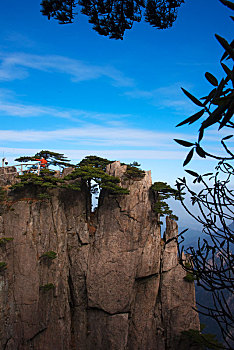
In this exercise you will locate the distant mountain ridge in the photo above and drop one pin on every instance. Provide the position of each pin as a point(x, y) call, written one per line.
point(191, 236)
point(202, 296)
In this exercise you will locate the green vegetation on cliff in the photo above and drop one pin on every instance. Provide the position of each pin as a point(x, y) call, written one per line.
point(51, 255)
point(163, 191)
point(5, 240)
point(47, 287)
point(93, 169)
point(203, 340)
point(3, 266)
point(89, 172)
point(53, 158)
point(42, 183)
point(46, 179)
point(134, 172)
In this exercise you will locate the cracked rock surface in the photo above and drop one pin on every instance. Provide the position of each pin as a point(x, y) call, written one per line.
point(113, 285)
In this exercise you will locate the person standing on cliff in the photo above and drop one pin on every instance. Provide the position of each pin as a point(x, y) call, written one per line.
point(43, 162)
point(4, 162)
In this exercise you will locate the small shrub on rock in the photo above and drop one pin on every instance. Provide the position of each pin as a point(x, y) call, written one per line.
point(5, 240)
point(49, 255)
point(47, 287)
point(3, 266)
point(190, 277)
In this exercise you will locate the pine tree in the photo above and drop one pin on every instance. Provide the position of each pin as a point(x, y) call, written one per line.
point(112, 18)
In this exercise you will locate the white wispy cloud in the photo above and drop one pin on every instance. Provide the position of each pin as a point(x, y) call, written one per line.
point(14, 109)
point(22, 110)
point(165, 97)
point(17, 65)
point(111, 142)
point(6, 94)
point(19, 39)
point(95, 135)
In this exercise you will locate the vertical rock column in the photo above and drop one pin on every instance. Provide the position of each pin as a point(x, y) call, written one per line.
point(177, 296)
point(35, 294)
point(123, 268)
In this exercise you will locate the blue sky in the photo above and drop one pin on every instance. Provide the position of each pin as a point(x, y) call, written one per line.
point(68, 89)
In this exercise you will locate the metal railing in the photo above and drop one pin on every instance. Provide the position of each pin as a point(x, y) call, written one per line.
point(23, 168)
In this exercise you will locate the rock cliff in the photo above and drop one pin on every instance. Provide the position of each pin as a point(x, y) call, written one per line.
point(113, 283)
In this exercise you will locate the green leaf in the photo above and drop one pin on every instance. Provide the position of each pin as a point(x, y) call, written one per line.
point(200, 152)
point(192, 98)
point(210, 96)
point(211, 78)
point(225, 45)
point(193, 118)
point(222, 244)
point(222, 100)
point(228, 4)
point(189, 157)
point(220, 88)
point(227, 137)
point(227, 70)
point(193, 173)
point(215, 116)
point(184, 143)
point(228, 116)
point(199, 179)
point(201, 134)
point(182, 232)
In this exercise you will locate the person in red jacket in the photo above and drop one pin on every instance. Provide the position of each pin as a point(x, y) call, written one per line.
point(43, 162)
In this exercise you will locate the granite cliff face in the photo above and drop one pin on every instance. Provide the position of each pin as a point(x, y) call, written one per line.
point(113, 285)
